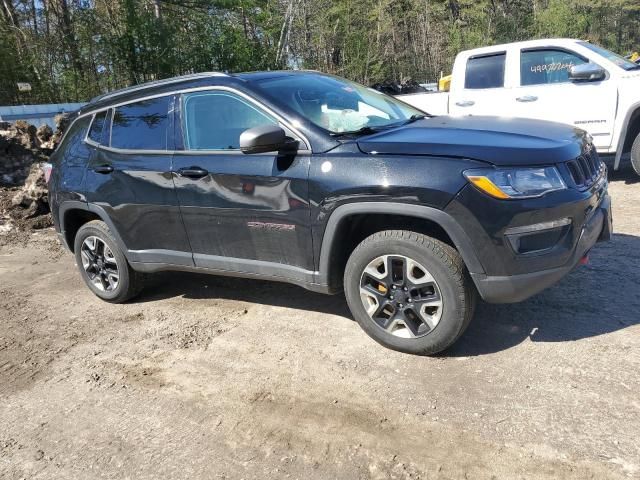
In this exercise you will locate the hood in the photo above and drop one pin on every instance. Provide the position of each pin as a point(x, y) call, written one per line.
point(498, 140)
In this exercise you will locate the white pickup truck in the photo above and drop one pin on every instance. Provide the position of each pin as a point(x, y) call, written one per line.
point(563, 80)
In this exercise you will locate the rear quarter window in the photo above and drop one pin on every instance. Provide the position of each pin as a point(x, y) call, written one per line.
point(142, 125)
point(486, 71)
point(73, 150)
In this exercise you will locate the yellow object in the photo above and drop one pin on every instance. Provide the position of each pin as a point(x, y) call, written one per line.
point(635, 56)
point(487, 186)
point(444, 84)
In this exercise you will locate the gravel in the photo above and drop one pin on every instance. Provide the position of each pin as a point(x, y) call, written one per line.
point(219, 378)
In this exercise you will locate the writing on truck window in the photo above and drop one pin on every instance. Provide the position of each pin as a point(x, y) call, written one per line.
point(551, 67)
point(544, 66)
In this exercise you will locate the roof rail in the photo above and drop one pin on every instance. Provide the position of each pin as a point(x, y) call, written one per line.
point(155, 83)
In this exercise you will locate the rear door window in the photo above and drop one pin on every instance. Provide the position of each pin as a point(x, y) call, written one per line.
point(486, 71)
point(538, 67)
point(142, 125)
point(214, 120)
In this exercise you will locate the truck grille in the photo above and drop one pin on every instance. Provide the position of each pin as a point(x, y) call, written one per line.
point(586, 169)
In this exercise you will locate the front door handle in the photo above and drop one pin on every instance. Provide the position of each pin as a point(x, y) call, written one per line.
point(104, 169)
point(193, 172)
point(527, 98)
point(465, 103)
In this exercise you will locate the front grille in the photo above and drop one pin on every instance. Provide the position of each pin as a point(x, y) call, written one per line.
point(586, 169)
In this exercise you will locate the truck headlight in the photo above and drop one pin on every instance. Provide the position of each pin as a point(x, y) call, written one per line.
point(506, 183)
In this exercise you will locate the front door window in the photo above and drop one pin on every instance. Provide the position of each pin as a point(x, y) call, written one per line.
point(214, 120)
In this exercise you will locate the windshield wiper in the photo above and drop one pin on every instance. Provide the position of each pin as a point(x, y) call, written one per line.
point(368, 130)
point(416, 117)
point(361, 131)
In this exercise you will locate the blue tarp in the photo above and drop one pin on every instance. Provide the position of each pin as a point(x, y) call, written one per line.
point(37, 114)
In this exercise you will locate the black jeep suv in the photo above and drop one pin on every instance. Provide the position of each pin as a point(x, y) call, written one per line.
point(315, 180)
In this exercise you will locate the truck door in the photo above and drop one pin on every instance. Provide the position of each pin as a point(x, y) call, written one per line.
point(478, 85)
point(545, 92)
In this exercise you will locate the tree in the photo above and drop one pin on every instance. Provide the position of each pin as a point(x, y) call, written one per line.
point(71, 50)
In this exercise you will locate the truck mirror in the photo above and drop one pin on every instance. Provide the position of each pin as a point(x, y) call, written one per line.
point(587, 72)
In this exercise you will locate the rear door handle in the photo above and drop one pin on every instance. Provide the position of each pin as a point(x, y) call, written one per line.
point(193, 172)
point(104, 169)
point(527, 98)
point(465, 103)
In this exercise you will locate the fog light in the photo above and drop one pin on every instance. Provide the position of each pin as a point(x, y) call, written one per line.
point(537, 237)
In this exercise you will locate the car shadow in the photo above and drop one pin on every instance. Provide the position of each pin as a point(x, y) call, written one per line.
point(202, 286)
point(596, 299)
point(625, 174)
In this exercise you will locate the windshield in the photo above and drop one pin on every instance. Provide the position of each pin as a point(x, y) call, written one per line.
point(336, 104)
point(612, 57)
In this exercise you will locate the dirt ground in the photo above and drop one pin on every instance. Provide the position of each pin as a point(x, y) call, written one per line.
point(218, 378)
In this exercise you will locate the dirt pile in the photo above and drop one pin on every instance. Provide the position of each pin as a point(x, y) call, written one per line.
point(62, 123)
point(23, 189)
point(19, 149)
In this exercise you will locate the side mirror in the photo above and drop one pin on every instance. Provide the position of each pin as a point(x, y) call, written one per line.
point(587, 72)
point(262, 139)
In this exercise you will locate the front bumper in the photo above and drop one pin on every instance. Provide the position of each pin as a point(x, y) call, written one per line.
point(515, 288)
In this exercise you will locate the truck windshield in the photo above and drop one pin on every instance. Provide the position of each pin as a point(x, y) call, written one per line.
point(612, 57)
point(337, 105)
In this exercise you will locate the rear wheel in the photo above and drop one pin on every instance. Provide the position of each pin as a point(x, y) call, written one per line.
point(635, 154)
point(103, 266)
point(409, 292)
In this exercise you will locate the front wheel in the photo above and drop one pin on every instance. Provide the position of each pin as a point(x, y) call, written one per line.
point(409, 292)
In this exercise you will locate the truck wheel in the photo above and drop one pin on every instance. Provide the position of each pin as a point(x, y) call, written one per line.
point(103, 266)
point(635, 154)
point(409, 292)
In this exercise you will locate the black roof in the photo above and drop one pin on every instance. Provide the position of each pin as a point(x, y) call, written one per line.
point(150, 88)
point(184, 81)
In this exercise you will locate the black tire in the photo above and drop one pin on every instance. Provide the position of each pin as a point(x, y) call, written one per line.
point(443, 263)
point(129, 283)
point(635, 154)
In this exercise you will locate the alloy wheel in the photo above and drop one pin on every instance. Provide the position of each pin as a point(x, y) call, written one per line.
point(401, 296)
point(99, 264)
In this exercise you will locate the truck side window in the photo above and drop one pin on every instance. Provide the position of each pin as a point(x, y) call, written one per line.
point(214, 120)
point(543, 66)
point(141, 125)
point(486, 71)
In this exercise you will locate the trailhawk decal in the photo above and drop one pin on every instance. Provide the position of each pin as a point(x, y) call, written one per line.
point(271, 226)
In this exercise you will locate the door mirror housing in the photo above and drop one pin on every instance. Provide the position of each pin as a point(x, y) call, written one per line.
point(587, 72)
point(262, 139)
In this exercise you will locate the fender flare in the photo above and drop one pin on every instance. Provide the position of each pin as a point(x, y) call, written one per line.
point(623, 134)
point(460, 239)
point(69, 205)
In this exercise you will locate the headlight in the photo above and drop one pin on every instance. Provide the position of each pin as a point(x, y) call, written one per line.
point(507, 183)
